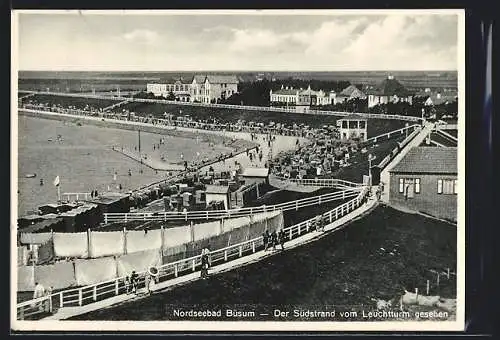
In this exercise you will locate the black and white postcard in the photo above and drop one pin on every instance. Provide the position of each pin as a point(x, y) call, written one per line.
point(274, 170)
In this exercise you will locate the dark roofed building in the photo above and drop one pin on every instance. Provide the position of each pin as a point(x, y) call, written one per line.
point(425, 180)
point(350, 92)
point(389, 90)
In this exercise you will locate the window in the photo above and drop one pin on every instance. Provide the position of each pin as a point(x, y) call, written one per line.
point(362, 124)
point(417, 185)
point(446, 186)
point(413, 182)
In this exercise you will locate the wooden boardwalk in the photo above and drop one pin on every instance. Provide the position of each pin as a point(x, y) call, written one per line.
point(68, 312)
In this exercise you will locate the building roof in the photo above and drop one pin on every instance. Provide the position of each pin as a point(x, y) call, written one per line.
point(438, 100)
point(200, 79)
point(217, 79)
point(389, 87)
point(255, 172)
point(350, 90)
point(428, 159)
point(352, 117)
point(288, 92)
point(217, 189)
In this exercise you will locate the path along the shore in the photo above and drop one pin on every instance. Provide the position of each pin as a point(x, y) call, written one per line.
point(68, 312)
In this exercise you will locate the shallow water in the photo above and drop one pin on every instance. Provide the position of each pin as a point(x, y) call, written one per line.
point(85, 161)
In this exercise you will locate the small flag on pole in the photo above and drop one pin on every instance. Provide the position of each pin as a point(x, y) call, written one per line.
point(56, 181)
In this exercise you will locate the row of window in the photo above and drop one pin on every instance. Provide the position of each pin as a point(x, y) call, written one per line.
point(408, 186)
point(353, 124)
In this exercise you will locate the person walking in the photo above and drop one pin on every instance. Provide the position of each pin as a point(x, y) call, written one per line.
point(265, 238)
point(319, 224)
point(134, 278)
point(205, 263)
point(274, 239)
point(281, 238)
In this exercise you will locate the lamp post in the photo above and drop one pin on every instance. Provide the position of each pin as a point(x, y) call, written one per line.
point(370, 168)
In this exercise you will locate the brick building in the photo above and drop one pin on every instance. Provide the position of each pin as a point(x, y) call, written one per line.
point(425, 180)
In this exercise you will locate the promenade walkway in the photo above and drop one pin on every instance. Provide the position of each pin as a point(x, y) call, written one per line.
point(363, 209)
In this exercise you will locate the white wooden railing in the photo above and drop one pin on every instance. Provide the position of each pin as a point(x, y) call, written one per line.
point(107, 289)
point(387, 135)
point(232, 213)
point(67, 196)
point(320, 182)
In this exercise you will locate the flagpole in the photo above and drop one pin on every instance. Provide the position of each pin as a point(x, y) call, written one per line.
point(58, 193)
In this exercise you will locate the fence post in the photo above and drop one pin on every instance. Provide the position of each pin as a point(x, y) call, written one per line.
point(253, 247)
point(191, 230)
point(296, 205)
point(94, 293)
point(89, 243)
point(428, 287)
point(416, 295)
point(124, 240)
point(437, 279)
point(207, 214)
point(126, 216)
point(106, 218)
point(336, 213)
point(291, 233)
point(80, 297)
point(61, 300)
point(225, 255)
point(298, 227)
point(194, 265)
point(330, 215)
point(162, 236)
point(241, 250)
point(343, 194)
point(448, 273)
point(117, 286)
point(319, 200)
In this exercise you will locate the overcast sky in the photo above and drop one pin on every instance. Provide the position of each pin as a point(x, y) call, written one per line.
point(165, 42)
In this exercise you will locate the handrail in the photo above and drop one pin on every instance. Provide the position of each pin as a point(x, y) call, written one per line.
point(388, 134)
point(240, 212)
point(320, 182)
point(192, 263)
point(238, 107)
